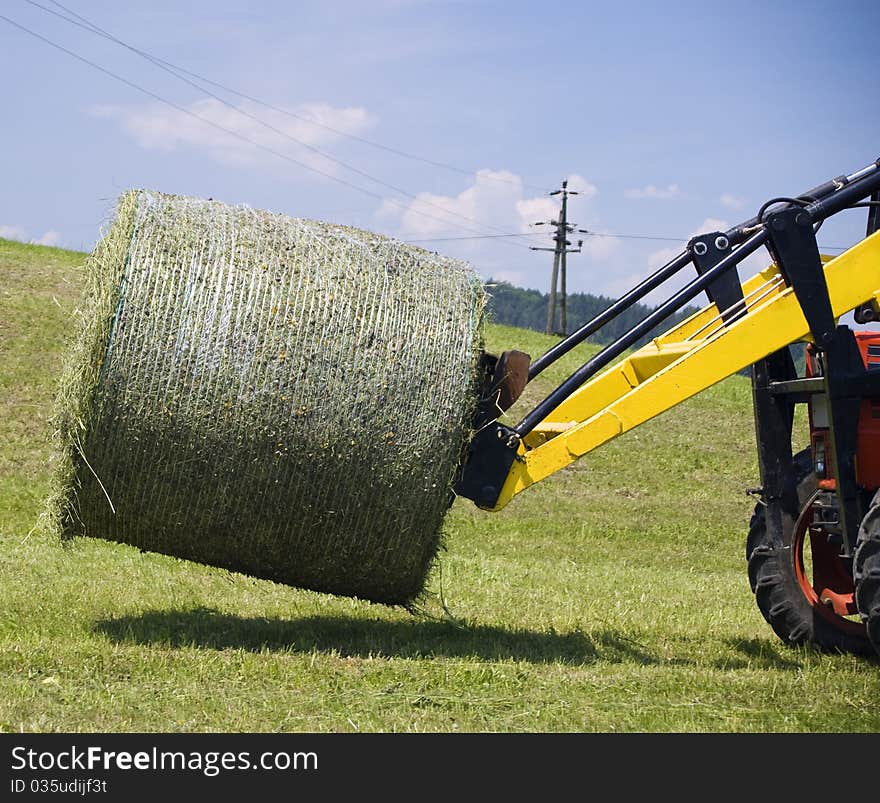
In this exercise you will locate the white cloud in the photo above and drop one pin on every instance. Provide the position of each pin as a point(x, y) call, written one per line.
point(495, 202)
point(581, 186)
point(534, 210)
point(651, 191)
point(12, 232)
point(710, 224)
point(600, 245)
point(546, 208)
point(731, 201)
point(50, 237)
point(159, 127)
point(490, 202)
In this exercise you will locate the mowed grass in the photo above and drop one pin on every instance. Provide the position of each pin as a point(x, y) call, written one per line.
point(611, 597)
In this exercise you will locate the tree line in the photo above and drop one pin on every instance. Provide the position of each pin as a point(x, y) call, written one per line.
point(515, 306)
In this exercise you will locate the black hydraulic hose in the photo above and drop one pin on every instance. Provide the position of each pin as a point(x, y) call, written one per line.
point(615, 349)
point(844, 198)
point(740, 232)
point(736, 235)
point(623, 303)
point(820, 202)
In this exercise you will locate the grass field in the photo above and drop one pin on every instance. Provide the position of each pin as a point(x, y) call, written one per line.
point(611, 597)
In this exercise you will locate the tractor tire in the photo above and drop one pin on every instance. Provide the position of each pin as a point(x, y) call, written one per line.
point(774, 582)
point(866, 572)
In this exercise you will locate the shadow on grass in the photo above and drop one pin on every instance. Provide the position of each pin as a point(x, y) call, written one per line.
point(773, 654)
point(351, 637)
point(756, 653)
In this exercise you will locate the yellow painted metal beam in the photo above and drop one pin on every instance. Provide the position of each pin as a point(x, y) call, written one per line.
point(672, 368)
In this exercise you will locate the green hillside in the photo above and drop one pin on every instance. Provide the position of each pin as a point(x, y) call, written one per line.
point(612, 596)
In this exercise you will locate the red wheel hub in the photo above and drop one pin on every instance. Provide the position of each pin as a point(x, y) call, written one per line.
point(830, 589)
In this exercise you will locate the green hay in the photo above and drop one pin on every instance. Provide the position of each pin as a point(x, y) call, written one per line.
point(280, 397)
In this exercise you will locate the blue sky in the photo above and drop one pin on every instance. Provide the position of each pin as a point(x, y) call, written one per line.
point(669, 117)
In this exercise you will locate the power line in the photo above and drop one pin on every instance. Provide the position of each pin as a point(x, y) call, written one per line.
point(372, 143)
point(633, 236)
point(95, 29)
point(582, 231)
point(541, 234)
point(171, 68)
point(186, 111)
point(672, 239)
point(475, 237)
point(230, 131)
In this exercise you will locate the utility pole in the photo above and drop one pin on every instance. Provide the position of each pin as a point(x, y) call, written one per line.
point(560, 249)
point(563, 227)
point(554, 278)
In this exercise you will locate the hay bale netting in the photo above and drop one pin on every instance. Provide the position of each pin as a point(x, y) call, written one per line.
point(280, 397)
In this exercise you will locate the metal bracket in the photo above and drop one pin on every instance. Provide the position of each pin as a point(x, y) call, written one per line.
point(843, 363)
point(490, 455)
point(794, 249)
point(502, 381)
point(774, 416)
point(798, 391)
point(793, 244)
point(870, 312)
point(726, 291)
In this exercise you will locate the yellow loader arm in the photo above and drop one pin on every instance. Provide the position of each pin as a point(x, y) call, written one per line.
point(687, 359)
point(799, 297)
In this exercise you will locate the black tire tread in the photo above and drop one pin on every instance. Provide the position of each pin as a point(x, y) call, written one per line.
point(866, 572)
point(776, 590)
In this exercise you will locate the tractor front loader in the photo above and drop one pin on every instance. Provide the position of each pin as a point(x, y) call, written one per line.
point(813, 547)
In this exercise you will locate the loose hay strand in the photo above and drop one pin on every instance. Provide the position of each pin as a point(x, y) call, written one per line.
point(277, 396)
point(79, 379)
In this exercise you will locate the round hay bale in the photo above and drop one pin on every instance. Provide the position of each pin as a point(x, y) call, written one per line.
point(281, 397)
